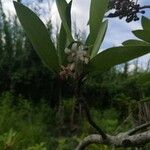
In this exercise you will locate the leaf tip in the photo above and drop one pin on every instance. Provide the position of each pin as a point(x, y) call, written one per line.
point(15, 3)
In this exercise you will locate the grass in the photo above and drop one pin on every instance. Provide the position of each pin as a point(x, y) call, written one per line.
point(27, 126)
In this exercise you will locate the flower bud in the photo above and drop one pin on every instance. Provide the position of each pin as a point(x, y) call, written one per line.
point(67, 50)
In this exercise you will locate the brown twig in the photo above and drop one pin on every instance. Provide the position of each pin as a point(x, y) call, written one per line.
point(91, 122)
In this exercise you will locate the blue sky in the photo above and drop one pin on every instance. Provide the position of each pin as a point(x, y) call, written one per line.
point(118, 30)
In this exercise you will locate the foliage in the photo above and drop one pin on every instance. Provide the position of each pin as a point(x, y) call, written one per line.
point(20, 66)
point(22, 125)
point(143, 35)
point(82, 59)
point(8, 140)
point(109, 93)
point(37, 147)
point(41, 43)
point(97, 62)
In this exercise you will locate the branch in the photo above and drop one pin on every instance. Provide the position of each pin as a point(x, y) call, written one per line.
point(80, 98)
point(138, 128)
point(91, 139)
point(120, 140)
point(91, 122)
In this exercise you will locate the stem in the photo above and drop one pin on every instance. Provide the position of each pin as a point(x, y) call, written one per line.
point(91, 122)
point(81, 100)
point(145, 7)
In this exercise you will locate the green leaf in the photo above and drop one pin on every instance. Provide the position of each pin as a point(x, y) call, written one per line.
point(116, 55)
point(100, 38)
point(144, 78)
point(142, 34)
point(62, 40)
point(97, 11)
point(64, 10)
point(145, 23)
point(38, 35)
point(135, 43)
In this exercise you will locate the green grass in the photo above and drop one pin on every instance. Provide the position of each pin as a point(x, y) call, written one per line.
point(27, 126)
point(24, 125)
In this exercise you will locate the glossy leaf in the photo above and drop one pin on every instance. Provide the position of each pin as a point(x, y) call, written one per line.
point(97, 11)
point(38, 35)
point(114, 56)
point(99, 39)
point(64, 10)
point(61, 45)
point(135, 43)
point(145, 23)
point(143, 35)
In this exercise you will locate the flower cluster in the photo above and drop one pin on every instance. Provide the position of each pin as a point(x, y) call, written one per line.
point(77, 57)
point(77, 53)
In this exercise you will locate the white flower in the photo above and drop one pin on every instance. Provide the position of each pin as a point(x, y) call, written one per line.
point(81, 47)
point(71, 66)
point(86, 60)
point(74, 46)
point(67, 50)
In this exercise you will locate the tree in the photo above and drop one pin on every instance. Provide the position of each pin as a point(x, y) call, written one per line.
point(77, 61)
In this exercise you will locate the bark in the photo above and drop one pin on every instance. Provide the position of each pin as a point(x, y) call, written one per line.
point(120, 140)
point(136, 137)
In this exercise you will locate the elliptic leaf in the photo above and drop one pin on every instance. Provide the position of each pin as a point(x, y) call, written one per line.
point(38, 35)
point(145, 23)
point(61, 45)
point(97, 11)
point(135, 43)
point(143, 35)
point(64, 10)
point(116, 55)
point(99, 39)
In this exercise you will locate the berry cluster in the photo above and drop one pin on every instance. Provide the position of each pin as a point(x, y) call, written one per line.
point(126, 8)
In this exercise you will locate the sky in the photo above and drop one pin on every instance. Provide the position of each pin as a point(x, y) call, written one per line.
point(118, 30)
